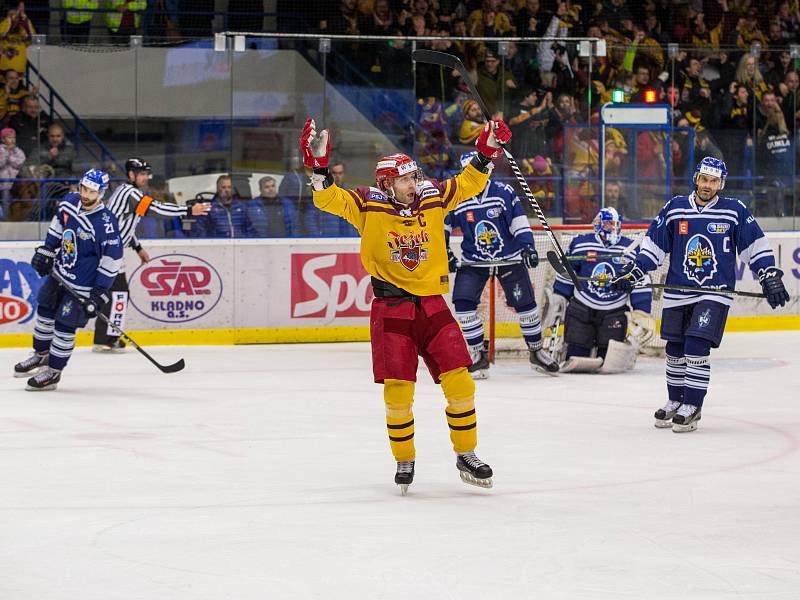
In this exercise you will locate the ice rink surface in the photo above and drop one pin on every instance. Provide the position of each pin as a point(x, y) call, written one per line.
point(264, 472)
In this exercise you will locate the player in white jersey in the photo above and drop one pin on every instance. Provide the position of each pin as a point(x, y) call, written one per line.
point(703, 233)
point(130, 203)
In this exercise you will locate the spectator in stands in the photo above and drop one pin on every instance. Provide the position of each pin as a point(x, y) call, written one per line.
point(76, 22)
point(747, 31)
point(14, 93)
point(472, 124)
point(124, 19)
point(11, 159)
point(151, 227)
point(271, 215)
point(695, 91)
point(338, 172)
point(767, 106)
point(530, 20)
point(790, 99)
point(775, 159)
point(31, 125)
point(541, 177)
point(59, 153)
point(318, 223)
point(228, 216)
point(494, 86)
point(161, 20)
point(782, 66)
point(527, 120)
point(489, 21)
point(749, 75)
point(15, 37)
point(614, 197)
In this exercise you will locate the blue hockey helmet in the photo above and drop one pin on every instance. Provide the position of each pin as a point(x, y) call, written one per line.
point(608, 225)
point(96, 180)
point(466, 158)
point(712, 167)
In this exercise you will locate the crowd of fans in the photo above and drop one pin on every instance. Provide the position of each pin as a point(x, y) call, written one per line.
point(724, 66)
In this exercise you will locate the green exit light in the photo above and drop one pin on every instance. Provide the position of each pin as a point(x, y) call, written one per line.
point(618, 96)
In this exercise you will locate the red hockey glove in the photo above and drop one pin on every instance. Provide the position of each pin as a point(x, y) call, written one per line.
point(316, 147)
point(494, 133)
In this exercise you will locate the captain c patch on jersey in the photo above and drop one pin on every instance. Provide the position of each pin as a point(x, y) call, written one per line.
point(488, 240)
point(700, 261)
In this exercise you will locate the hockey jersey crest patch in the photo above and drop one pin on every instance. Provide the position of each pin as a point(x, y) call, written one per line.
point(700, 261)
point(600, 284)
point(488, 240)
point(407, 249)
point(69, 249)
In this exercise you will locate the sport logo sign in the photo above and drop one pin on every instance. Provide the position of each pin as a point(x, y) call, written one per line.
point(19, 286)
point(329, 286)
point(175, 288)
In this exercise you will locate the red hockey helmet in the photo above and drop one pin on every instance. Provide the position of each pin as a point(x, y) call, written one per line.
point(394, 165)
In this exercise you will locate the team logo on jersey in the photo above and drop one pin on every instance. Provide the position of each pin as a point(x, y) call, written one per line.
point(600, 283)
point(700, 262)
point(84, 235)
point(720, 228)
point(493, 213)
point(704, 319)
point(488, 240)
point(69, 249)
point(407, 249)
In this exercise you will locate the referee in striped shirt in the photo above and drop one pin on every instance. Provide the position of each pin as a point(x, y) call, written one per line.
point(130, 203)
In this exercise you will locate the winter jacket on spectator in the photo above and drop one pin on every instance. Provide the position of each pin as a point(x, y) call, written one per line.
point(273, 217)
point(222, 221)
point(490, 87)
point(61, 162)
point(10, 162)
point(30, 131)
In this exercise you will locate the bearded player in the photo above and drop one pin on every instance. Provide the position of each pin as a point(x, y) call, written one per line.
point(401, 224)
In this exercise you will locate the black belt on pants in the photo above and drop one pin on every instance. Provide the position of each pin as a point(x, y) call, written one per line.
point(384, 289)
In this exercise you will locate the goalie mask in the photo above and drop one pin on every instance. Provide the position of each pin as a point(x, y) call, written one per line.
point(608, 226)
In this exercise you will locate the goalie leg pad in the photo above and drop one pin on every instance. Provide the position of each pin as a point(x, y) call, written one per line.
point(620, 357)
point(581, 364)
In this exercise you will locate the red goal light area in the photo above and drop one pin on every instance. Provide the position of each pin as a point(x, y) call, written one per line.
point(649, 96)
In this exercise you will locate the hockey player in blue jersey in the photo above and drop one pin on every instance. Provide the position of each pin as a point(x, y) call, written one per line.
point(703, 233)
point(84, 247)
point(495, 230)
point(596, 317)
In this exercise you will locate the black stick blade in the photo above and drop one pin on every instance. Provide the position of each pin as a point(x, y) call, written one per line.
point(435, 58)
point(173, 368)
point(555, 262)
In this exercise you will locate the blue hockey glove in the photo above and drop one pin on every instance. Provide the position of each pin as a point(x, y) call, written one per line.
point(629, 277)
point(772, 284)
point(530, 258)
point(98, 298)
point(452, 261)
point(42, 261)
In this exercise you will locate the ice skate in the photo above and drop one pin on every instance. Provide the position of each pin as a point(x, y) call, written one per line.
point(541, 360)
point(31, 365)
point(686, 418)
point(44, 381)
point(664, 415)
point(405, 475)
point(480, 362)
point(113, 347)
point(473, 470)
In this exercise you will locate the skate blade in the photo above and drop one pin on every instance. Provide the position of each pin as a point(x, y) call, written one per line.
point(101, 349)
point(663, 423)
point(684, 428)
point(481, 483)
point(403, 488)
point(483, 374)
point(541, 369)
point(46, 388)
point(29, 374)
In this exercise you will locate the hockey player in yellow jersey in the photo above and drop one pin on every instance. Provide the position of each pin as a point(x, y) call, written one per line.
point(401, 223)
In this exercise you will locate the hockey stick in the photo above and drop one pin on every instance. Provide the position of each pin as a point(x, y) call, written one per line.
point(453, 62)
point(556, 264)
point(173, 368)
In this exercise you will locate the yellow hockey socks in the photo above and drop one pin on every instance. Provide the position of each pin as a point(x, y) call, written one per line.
point(399, 396)
point(459, 389)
